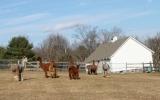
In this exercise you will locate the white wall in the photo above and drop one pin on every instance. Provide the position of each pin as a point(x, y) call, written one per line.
point(130, 52)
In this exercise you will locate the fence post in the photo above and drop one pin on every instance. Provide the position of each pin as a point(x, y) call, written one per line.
point(38, 65)
point(143, 67)
point(151, 67)
point(126, 66)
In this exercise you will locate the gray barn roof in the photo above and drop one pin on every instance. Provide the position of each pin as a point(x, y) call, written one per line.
point(106, 50)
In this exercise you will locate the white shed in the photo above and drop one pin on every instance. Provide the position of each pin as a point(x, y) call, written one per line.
point(120, 52)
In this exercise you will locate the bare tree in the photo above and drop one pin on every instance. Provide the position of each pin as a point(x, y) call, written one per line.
point(91, 37)
point(54, 47)
point(154, 44)
point(87, 36)
point(87, 40)
point(106, 35)
point(80, 53)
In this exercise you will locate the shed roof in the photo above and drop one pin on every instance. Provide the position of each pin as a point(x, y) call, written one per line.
point(106, 50)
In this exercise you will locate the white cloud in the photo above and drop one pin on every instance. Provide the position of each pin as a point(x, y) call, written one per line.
point(123, 16)
point(22, 29)
point(14, 4)
point(68, 22)
point(24, 19)
point(139, 14)
point(67, 25)
point(136, 15)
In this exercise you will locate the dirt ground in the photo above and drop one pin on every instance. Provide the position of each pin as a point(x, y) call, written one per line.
point(90, 87)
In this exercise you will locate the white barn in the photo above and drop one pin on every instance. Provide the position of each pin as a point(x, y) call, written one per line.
point(120, 52)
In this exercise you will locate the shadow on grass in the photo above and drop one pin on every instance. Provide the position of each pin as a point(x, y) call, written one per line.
point(26, 79)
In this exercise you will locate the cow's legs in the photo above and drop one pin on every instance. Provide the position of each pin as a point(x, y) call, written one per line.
point(46, 74)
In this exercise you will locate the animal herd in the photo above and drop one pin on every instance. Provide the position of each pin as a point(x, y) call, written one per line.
point(50, 69)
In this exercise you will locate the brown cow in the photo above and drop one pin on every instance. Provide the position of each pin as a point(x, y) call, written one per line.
point(92, 69)
point(73, 69)
point(48, 67)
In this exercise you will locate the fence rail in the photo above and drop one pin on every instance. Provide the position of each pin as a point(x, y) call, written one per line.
point(34, 65)
point(62, 66)
point(137, 67)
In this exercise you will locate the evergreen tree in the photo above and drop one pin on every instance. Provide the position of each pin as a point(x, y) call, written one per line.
point(2, 52)
point(19, 47)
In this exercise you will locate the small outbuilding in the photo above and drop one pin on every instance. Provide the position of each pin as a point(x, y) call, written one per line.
point(121, 54)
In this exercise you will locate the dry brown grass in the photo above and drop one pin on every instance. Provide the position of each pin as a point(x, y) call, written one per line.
point(117, 87)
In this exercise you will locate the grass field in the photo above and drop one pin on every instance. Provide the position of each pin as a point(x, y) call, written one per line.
point(117, 87)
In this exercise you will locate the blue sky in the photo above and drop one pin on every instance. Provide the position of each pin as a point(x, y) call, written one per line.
point(36, 19)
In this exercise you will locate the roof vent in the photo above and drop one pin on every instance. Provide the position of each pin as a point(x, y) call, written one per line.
point(114, 39)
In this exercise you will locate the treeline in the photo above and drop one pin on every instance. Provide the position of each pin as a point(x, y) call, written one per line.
point(86, 40)
point(58, 47)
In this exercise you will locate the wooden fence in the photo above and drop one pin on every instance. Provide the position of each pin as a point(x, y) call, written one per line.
point(34, 65)
point(62, 66)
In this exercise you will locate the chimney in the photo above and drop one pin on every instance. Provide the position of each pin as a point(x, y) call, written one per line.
point(114, 39)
